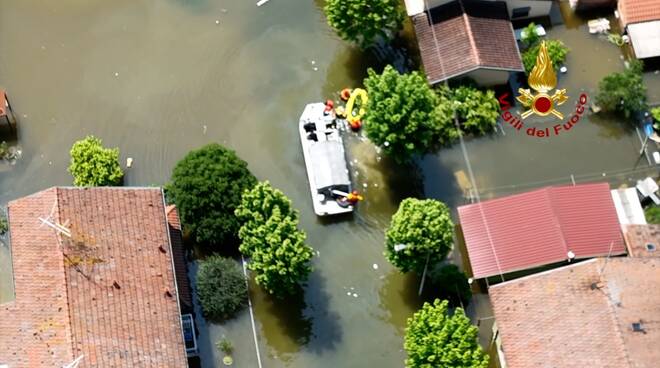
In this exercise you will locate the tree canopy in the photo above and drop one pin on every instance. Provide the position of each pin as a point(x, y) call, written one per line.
point(206, 187)
point(556, 50)
point(270, 237)
point(623, 93)
point(529, 36)
point(436, 339)
point(404, 116)
point(420, 229)
point(477, 110)
point(93, 165)
point(221, 287)
point(364, 21)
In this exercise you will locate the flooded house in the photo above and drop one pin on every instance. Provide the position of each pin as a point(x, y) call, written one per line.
point(640, 19)
point(598, 313)
point(99, 280)
point(471, 39)
point(525, 233)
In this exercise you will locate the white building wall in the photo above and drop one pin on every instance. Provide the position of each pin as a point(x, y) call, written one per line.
point(489, 77)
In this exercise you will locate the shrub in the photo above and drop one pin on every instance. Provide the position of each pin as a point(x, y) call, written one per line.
point(477, 110)
point(4, 225)
point(364, 21)
point(423, 229)
point(655, 112)
point(436, 339)
point(206, 187)
point(556, 50)
point(529, 36)
point(225, 346)
point(449, 283)
point(271, 238)
point(404, 115)
point(221, 287)
point(623, 93)
point(93, 165)
point(652, 215)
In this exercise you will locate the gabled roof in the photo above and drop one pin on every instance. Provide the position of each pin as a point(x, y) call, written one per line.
point(637, 11)
point(540, 227)
point(582, 315)
point(107, 292)
point(468, 36)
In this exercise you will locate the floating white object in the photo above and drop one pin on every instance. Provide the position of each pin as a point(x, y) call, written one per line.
point(656, 157)
point(262, 2)
point(375, 266)
point(129, 162)
point(563, 69)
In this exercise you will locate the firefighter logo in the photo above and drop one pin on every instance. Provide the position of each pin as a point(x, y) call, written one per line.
point(543, 80)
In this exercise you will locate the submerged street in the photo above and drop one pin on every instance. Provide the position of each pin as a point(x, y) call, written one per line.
point(159, 78)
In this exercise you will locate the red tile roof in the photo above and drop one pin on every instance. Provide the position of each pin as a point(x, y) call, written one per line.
point(638, 237)
point(582, 315)
point(108, 292)
point(540, 227)
point(179, 255)
point(469, 36)
point(638, 11)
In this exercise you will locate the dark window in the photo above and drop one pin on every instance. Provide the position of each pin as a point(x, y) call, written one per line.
point(650, 247)
point(521, 12)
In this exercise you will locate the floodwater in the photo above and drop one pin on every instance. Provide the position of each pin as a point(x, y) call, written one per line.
point(159, 78)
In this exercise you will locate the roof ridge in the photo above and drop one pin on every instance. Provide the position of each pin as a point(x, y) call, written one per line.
point(473, 45)
point(60, 246)
point(550, 191)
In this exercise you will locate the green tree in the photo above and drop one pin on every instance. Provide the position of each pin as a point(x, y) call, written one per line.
point(436, 339)
point(364, 21)
point(93, 165)
point(420, 229)
point(529, 36)
point(404, 115)
point(221, 287)
point(271, 238)
point(623, 93)
point(655, 112)
point(477, 110)
point(206, 187)
point(556, 50)
point(449, 283)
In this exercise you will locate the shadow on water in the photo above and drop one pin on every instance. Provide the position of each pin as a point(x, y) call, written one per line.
point(347, 70)
point(399, 299)
point(288, 325)
point(611, 126)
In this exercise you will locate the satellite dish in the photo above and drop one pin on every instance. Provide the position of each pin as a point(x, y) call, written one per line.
point(571, 255)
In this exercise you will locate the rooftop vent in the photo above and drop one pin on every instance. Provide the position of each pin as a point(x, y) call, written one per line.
point(637, 327)
point(650, 247)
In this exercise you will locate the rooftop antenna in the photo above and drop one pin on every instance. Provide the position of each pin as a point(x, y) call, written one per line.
point(55, 225)
point(75, 363)
point(609, 253)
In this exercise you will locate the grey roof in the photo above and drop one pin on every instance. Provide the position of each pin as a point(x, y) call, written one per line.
point(329, 163)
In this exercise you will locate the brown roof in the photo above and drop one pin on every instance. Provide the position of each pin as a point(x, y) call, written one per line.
point(179, 256)
point(638, 11)
point(469, 36)
point(572, 317)
point(107, 292)
point(642, 240)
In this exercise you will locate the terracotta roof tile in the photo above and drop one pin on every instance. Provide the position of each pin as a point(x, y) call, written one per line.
point(540, 227)
point(582, 315)
point(103, 293)
point(638, 11)
point(639, 236)
point(469, 36)
point(178, 252)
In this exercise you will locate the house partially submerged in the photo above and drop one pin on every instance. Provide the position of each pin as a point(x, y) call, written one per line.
point(95, 277)
point(468, 38)
point(544, 227)
point(641, 21)
point(598, 313)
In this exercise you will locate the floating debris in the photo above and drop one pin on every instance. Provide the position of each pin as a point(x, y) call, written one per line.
point(355, 295)
point(116, 74)
point(129, 162)
point(217, 21)
point(375, 266)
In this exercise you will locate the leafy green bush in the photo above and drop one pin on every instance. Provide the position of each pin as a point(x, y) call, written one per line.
point(271, 238)
point(529, 36)
point(4, 225)
point(404, 115)
point(225, 346)
point(419, 229)
point(652, 215)
point(221, 287)
point(93, 165)
point(556, 50)
point(623, 93)
point(206, 187)
point(477, 110)
point(449, 283)
point(655, 112)
point(363, 21)
point(436, 339)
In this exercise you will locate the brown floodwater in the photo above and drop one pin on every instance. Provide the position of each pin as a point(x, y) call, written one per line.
point(159, 78)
